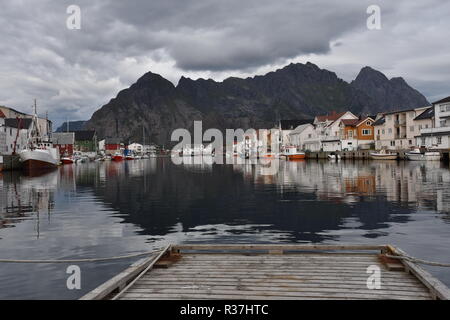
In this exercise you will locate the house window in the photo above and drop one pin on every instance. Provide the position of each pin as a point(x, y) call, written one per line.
point(411, 128)
point(392, 143)
point(423, 141)
point(309, 136)
point(426, 126)
point(439, 140)
point(442, 123)
point(368, 123)
point(420, 127)
point(383, 131)
point(366, 132)
point(410, 142)
point(390, 130)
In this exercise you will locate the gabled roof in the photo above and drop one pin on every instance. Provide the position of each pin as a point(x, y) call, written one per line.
point(427, 114)
point(301, 128)
point(63, 137)
point(442, 100)
point(84, 135)
point(13, 123)
point(379, 122)
point(330, 117)
point(292, 124)
point(356, 122)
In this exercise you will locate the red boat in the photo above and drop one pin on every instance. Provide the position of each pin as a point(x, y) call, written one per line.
point(67, 160)
point(117, 157)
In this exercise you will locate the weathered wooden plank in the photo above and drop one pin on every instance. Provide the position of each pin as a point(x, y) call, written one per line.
point(309, 293)
point(284, 247)
point(268, 273)
point(300, 284)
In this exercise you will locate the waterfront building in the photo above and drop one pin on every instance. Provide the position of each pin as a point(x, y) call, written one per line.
point(357, 133)
point(13, 134)
point(136, 148)
point(64, 141)
point(305, 137)
point(328, 129)
point(397, 130)
point(287, 126)
point(85, 140)
point(111, 146)
point(437, 136)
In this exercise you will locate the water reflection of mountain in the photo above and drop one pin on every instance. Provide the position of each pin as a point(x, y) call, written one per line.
point(305, 199)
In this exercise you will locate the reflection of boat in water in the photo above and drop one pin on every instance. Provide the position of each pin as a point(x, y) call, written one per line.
point(383, 155)
point(417, 155)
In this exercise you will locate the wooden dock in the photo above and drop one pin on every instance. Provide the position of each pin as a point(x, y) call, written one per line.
point(271, 272)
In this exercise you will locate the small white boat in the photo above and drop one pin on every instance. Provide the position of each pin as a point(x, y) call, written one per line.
point(417, 155)
point(334, 156)
point(383, 155)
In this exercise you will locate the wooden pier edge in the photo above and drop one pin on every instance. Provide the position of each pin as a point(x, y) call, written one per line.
point(118, 285)
point(121, 281)
point(437, 289)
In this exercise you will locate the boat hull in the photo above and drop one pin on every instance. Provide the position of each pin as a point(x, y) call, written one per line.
point(375, 156)
point(423, 157)
point(66, 161)
point(293, 157)
point(117, 158)
point(38, 159)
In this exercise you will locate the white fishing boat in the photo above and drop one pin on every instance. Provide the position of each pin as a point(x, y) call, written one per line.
point(383, 155)
point(417, 155)
point(39, 153)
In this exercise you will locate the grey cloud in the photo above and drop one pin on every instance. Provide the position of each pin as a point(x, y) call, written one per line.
point(73, 72)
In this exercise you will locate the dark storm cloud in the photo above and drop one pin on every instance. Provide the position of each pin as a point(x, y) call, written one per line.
point(73, 72)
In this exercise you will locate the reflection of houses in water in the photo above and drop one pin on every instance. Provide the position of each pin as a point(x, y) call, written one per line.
point(22, 196)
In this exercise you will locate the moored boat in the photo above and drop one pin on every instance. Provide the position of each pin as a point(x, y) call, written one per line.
point(292, 153)
point(67, 160)
point(38, 154)
point(417, 155)
point(117, 157)
point(383, 155)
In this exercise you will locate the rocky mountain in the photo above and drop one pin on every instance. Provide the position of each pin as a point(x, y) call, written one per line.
point(73, 126)
point(393, 94)
point(155, 107)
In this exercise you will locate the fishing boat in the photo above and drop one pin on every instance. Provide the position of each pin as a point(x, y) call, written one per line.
point(383, 155)
point(39, 153)
point(417, 155)
point(292, 153)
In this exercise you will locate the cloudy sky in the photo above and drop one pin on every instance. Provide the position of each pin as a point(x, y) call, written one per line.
point(74, 72)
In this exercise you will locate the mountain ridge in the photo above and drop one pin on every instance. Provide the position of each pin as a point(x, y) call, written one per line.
point(156, 106)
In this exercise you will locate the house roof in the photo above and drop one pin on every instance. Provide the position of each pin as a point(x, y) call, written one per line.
point(427, 114)
point(355, 122)
point(13, 123)
point(398, 111)
point(63, 137)
point(292, 124)
point(379, 122)
point(330, 117)
point(84, 135)
point(442, 100)
point(112, 141)
point(2, 115)
point(300, 128)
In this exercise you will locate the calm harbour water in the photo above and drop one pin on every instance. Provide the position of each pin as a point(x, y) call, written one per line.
point(107, 209)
